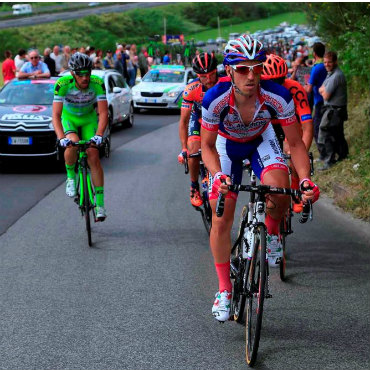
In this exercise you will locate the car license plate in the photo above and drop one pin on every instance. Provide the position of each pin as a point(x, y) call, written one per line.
point(150, 100)
point(19, 140)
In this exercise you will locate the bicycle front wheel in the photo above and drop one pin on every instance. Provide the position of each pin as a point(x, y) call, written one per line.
point(87, 205)
point(239, 296)
point(256, 285)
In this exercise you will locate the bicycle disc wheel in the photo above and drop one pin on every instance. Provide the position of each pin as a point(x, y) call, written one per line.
point(239, 296)
point(256, 284)
point(87, 206)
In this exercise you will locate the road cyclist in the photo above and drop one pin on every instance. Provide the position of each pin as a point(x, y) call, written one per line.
point(236, 125)
point(275, 69)
point(205, 66)
point(74, 103)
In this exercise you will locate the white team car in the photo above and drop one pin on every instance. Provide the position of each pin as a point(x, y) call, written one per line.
point(162, 87)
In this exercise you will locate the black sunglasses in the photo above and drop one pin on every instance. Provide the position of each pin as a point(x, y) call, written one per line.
point(83, 73)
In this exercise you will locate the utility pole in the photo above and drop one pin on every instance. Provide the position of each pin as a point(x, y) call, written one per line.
point(219, 28)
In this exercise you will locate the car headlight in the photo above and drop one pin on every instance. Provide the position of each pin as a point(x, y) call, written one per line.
point(135, 92)
point(173, 94)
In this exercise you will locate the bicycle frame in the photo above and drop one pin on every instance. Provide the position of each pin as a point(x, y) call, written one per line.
point(82, 163)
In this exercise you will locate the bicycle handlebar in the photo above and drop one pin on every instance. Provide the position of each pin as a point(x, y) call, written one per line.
point(186, 163)
point(266, 189)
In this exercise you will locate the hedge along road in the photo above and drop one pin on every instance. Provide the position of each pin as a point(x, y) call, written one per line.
point(141, 297)
point(75, 14)
point(26, 182)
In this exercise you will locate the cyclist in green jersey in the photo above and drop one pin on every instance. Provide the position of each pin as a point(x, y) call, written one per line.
point(73, 109)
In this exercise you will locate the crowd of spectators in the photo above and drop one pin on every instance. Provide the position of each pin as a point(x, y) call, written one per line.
point(314, 69)
point(125, 59)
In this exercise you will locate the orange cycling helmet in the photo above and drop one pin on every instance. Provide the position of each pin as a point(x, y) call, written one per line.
point(274, 67)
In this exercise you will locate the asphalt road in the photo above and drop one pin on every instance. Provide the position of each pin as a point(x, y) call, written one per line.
point(75, 14)
point(141, 297)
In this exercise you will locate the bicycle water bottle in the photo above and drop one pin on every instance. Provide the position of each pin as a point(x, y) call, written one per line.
point(248, 243)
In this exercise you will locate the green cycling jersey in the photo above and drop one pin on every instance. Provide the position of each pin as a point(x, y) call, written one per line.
point(79, 105)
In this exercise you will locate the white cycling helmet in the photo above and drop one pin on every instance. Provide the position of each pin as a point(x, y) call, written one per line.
point(243, 48)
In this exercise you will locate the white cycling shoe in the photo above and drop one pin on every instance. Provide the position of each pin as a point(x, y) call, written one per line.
point(71, 187)
point(221, 306)
point(100, 213)
point(275, 250)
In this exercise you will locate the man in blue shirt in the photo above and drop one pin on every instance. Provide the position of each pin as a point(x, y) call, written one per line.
point(317, 77)
point(35, 68)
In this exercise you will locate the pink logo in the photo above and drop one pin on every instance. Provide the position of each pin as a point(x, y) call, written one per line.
point(29, 108)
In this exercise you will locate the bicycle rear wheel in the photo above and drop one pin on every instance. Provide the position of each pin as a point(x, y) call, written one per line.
point(87, 205)
point(256, 284)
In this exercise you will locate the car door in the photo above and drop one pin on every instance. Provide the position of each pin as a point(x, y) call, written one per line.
point(111, 97)
point(124, 95)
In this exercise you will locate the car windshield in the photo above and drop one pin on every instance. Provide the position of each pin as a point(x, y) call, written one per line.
point(164, 76)
point(27, 92)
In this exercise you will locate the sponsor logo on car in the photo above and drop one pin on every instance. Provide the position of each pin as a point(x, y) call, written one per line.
point(24, 117)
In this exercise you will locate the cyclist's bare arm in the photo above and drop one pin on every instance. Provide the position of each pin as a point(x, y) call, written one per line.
point(307, 134)
point(183, 127)
point(103, 117)
point(298, 150)
point(209, 152)
point(57, 122)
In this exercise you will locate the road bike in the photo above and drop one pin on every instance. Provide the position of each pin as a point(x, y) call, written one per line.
point(204, 174)
point(249, 264)
point(85, 197)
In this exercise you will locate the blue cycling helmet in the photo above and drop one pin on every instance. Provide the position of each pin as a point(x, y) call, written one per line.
point(242, 49)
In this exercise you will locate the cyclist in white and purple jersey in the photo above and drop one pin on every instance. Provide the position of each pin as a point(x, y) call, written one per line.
point(236, 125)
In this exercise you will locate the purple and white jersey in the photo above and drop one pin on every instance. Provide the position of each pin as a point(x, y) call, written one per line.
point(219, 112)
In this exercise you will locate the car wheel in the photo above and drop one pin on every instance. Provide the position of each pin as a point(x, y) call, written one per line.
point(130, 119)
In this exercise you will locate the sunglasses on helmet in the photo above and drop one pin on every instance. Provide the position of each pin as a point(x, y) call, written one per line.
point(83, 73)
point(244, 70)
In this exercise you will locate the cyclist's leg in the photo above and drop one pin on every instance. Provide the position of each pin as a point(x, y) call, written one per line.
point(193, 147)
point(70, 153)
point(269, 165)
point(97, 175)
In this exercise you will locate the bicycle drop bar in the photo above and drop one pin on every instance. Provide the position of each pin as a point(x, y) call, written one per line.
point(266, 189)
point(186, 163)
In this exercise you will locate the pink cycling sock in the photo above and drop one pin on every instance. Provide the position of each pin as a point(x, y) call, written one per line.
point(223, 273)
point(272, 225)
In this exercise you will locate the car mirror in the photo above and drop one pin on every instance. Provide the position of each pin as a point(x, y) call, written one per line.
point(117, 90)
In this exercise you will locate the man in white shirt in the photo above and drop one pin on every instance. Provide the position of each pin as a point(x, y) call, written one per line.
point(58, 59)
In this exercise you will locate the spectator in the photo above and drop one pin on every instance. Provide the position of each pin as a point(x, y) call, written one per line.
point(123, 60)
point(35, 68)
point(301, 73)
point(90, 51)
point(73, 51)
point(118, 66)
point(8, 67)
point(50, 62)
point(317, 77)
point(82, 50)
point(20, 59)
point(108, 61)
point(65, 57)
point(166, 58)
point(134, 60)
point(97, 63)
point(130, 67)
point(58, 59)
point(334, 93)
point(143, 61)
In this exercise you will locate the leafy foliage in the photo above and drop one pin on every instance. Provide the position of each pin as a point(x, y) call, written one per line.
point(345, 27)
